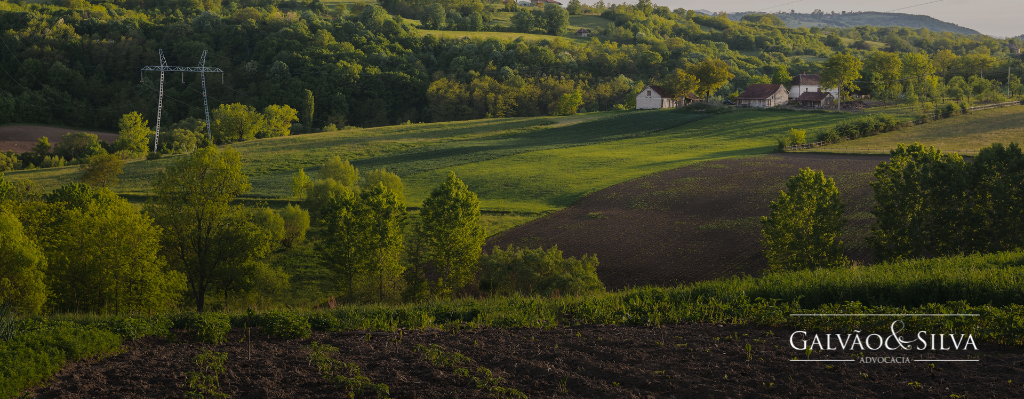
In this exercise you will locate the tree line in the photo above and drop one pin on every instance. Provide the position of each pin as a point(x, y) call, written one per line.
point(77, 63)
point(82, 248)
point(928, 203)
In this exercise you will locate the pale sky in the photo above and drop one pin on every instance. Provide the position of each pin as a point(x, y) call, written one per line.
point(1001, 18)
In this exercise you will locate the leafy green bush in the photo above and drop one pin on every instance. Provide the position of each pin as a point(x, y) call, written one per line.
point(211, 328)
point(132, 328)
point(538, 271)
point(287, 325)
point(861, 127)
point(41, 348)
point(324, 322)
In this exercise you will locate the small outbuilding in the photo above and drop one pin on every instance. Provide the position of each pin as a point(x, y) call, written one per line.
point(654, 97)
point(657, 97)
point(763, 96)
point(583, 32)
point(817, 100)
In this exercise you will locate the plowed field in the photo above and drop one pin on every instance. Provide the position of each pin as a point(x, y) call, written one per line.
point(677, 361)
point(21, 138)
point(694, 223)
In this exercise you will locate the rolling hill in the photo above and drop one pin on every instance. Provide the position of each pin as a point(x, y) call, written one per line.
point(851, 19)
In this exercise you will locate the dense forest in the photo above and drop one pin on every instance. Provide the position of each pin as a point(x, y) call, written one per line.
point(78, 63)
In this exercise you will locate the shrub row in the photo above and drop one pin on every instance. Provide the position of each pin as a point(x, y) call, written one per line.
point(211, 328)
point(41, 348)
point(862, 127)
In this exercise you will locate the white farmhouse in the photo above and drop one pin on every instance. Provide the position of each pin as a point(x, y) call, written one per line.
point(763, 96)
point(654, 97)
point(807, 83)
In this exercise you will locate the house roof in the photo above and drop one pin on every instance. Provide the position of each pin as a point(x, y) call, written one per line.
point(816, 96)
point(583, 30)
point(807, 79)
point(660, 90)
point(760, 91)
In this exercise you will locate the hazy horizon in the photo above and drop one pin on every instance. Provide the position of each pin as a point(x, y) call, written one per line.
point(1000, 18)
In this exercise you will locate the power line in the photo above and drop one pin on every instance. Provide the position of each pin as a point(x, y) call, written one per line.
point(916, 5)
point(780, 5)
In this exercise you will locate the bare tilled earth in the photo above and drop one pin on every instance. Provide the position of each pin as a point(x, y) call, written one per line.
point(679, 361)
point(694, 223)
point(21, 138)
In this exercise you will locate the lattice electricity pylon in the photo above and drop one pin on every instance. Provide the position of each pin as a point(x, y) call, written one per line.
point(160, 101)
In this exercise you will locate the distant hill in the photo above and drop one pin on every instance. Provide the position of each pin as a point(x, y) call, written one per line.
point(851, 19)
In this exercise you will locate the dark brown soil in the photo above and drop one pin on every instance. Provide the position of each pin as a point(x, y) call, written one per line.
point(681, 361)
point(694, 223)
point(21, 138)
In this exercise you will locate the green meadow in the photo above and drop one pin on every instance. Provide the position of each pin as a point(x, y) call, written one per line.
point(524, 165)
point(968, 133)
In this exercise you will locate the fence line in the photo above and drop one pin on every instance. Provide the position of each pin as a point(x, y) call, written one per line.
point(820, 144)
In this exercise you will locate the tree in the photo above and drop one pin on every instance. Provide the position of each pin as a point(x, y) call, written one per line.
point(451, 233)
point(321, 194)
point(22, 266)
point(42, 147)
point(203, 233)
point(102, 170)
point(79, 145)
point(556, 19)
point(236, 122)
point(885, 70)
point(917, 68)
point(681, 83)
point(574, 7)
point(841, 71)
point(802, 229)
point(998, 176)
point(569, 103)
point(711, 74)
point(943, 60)
point(388, 179)
point(300, 182)
point(106, 256)
point(133, 134)
point(278, 120)
point(922, 196)
point(307, 101)
point(522, 21)
point(341, 171)
point(364, 237)
point(781, 77)
point(296, 223)
point(433, 17)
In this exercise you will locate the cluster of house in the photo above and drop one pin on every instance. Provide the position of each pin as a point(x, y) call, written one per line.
point(805, 91)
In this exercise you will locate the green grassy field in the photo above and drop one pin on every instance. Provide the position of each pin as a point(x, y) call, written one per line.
point(966, 133)
point(498, 35)
point(524, 165)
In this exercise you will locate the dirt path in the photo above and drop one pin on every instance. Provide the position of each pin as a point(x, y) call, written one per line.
point(694, 223)
point(678, 361)
point(21, 138)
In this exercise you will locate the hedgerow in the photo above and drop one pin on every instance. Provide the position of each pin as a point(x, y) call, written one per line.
point(862, 127)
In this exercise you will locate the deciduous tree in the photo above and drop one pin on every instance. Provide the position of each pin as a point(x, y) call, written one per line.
point(341, 171)
point(278, 120)
point(203, 233)
point(841, 71)
point(22, 267)
point(711, 74)
point(451, 233)
point(102, 170)
point(133, 134)
point(236, 122)
point(802, 229)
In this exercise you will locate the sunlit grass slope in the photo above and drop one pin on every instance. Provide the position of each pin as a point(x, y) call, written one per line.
point(529, 165)
point(969, 133)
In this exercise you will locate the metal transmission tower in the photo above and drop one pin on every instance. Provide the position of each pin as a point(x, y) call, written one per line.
point(202, 69)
